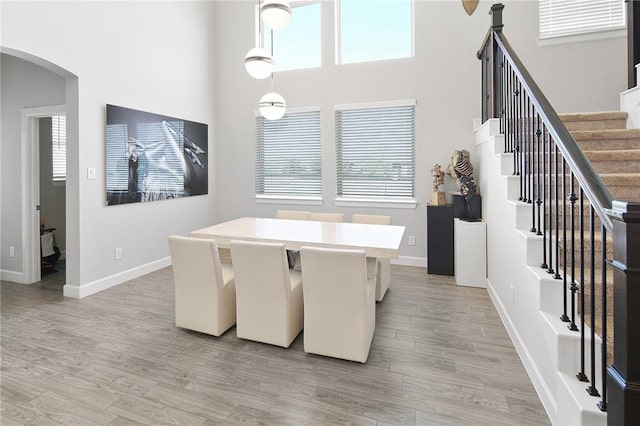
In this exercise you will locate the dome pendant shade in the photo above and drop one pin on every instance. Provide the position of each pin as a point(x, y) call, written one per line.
point(258, 63)
point(276, 14)
point(272, 106)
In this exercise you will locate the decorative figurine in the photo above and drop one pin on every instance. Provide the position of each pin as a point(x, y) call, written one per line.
point(437, 196)
point(461, 170)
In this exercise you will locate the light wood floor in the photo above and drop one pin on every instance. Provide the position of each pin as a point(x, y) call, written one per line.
point(440, 356)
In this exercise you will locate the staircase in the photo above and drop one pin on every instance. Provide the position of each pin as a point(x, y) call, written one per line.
point(614, 152)
point(527, 297)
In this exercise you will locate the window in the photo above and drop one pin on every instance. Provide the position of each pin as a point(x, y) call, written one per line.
point(288, 155)
point(376, 151)
point(59, 147)
point(374, 30)
point(298, 45)
point(570, 17)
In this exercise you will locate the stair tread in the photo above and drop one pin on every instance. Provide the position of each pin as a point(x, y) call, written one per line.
point(594, 116)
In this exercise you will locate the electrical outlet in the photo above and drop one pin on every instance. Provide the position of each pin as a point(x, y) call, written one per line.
point(12, 251)
point(118, 253)
point(412, 240)
point(513, 295)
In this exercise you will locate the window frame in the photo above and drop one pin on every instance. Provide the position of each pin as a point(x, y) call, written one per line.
point(338, 37)
point(266, 31)
point(376, 201)
point(297, 199)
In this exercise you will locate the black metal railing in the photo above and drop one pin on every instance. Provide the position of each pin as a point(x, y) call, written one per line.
point(563, 190)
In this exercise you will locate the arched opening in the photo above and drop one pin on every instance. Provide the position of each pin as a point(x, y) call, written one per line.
point(25, 218)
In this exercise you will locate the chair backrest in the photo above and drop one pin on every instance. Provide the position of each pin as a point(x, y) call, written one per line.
point(260, 269)
point(292, 214)
point(196, 262)
point(371, 219)
point(335, 280)
point(262, 281)
point(327, 217)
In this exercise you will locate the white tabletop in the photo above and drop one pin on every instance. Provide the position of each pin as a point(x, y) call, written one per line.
point(377, 240)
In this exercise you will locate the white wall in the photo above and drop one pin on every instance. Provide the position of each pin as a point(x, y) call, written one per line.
point(154, 57)
point(444, 78)
point(24, 85)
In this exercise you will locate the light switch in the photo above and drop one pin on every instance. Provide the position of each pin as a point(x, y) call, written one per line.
point(91, 172)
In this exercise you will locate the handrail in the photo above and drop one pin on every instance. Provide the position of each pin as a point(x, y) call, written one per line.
point(590, 181)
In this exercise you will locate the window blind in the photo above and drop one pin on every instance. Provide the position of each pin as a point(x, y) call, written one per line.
point(567, 17)
point(376, 151)
point(59, 147)
point(288, 155)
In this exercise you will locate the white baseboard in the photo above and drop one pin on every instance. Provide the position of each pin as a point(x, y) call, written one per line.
point(78, 292)
point(410, 261)
point(544, 393)
point(13, 276)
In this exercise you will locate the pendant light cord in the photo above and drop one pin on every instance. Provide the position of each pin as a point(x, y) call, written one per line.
point(273, 61)
point(259, 26)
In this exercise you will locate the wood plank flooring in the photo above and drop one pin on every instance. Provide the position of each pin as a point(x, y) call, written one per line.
point(440, 356)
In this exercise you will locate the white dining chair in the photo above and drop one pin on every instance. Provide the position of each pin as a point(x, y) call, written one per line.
point(339, 303)
point(327, 217)
point(292, 214)
point(268, 294)
point(383, 266)
point(205, 294)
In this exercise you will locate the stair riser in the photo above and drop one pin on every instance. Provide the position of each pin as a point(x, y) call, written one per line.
point(595, 125)
point(541, 163)
point(608, 144)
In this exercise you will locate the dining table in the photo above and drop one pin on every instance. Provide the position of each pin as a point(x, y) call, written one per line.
point(379, 241)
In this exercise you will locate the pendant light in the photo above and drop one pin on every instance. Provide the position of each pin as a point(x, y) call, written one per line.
point(276, 13)
point(272, 106)
point(258, 62)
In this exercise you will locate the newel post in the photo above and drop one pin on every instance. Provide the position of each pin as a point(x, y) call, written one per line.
point(623, 376)
point(496, 16)
point(491, 72)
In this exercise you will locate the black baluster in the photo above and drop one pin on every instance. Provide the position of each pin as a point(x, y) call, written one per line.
point(530, 152)
point(574, 286)
point(581, 376)
point(544, 200)
point(550, 143)
point(539, 176)
point(592, 389)
point(557, 202)
point(564, 317)
point(602, 405)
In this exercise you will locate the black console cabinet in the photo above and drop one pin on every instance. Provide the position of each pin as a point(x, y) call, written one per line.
point(440, 240)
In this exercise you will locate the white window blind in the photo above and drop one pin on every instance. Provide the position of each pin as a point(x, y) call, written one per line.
point(376, 151)
point(288, 155)
point(568, 17)
point(59, 147)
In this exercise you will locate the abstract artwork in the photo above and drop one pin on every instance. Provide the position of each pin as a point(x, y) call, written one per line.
point(154, 157)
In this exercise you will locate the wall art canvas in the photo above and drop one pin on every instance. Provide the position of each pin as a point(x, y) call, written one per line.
point(154, 157)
